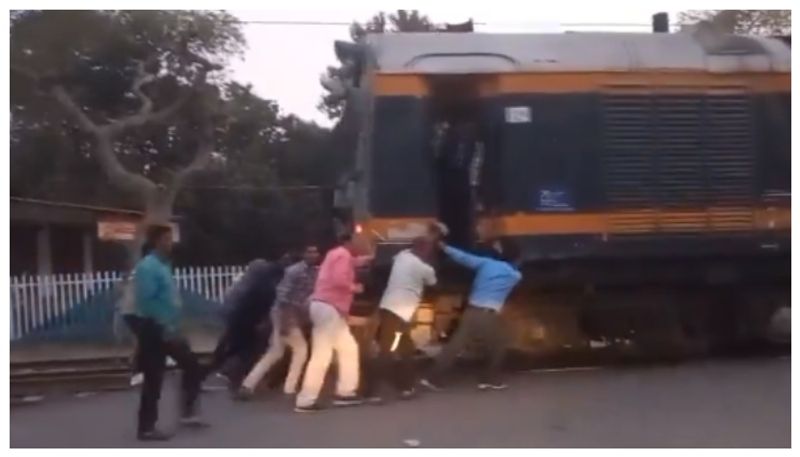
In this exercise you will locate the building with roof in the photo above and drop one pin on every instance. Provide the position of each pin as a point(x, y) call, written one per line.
point(50, 237)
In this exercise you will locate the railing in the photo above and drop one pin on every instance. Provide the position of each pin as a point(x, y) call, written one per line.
point(59, 301)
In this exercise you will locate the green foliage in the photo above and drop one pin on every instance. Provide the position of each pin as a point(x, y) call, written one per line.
point(401, 21)
point(235, 208)
point(745, 22)
point(94, 54)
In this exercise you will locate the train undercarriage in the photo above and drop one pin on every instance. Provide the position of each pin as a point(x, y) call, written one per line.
point(669, 308)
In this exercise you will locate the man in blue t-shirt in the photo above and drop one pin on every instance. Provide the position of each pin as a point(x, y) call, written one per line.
point(495, 278)
point(157, 316)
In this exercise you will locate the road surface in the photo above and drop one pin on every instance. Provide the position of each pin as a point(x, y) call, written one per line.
point(718, 403)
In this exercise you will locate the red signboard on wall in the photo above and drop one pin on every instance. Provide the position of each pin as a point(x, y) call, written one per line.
point(118, 229)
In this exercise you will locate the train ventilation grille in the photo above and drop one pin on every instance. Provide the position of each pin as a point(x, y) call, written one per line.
point(712, 219)
point(665, 153)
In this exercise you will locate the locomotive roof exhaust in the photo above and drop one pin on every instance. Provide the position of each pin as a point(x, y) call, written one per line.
point(661, 23)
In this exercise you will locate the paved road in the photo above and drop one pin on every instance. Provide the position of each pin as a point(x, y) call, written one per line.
point(743, 403)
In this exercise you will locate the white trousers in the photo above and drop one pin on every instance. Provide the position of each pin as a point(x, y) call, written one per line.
point(330, 334)
point(295, 341)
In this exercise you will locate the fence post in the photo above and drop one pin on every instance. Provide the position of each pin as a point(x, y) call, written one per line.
point(212, 283)
point(212, 279)
point(88, 284)
point(15, 327)
point(58, 299)
point(201, 279)
point(69, 297)
point(184, 281)
point(176, 273)
point(43, 300)
point(220, 283)
point(193, 277)
point(24, 307)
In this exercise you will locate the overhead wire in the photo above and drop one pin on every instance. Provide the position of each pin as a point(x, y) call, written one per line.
point(280, 22)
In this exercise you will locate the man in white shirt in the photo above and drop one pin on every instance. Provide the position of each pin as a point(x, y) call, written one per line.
point(410, 273)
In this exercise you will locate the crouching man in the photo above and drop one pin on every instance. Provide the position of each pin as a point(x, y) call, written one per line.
point(289, 314)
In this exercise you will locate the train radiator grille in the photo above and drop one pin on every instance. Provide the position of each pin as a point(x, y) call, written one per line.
point(679, 161)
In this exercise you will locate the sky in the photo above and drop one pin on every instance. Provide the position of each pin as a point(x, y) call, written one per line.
point(284, 62)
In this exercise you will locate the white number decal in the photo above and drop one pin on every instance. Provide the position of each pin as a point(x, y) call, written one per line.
point(518, 114)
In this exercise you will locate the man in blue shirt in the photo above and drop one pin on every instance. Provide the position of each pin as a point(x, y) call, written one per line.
point(495, 278)
point(157, 314)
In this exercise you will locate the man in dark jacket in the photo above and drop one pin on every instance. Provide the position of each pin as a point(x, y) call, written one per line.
point(247, 308)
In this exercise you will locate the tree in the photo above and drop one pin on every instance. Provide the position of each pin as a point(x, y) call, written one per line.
point(238, 208)
point(744, 22)
point(249, 149)
point(401, 21)
point(138, 86)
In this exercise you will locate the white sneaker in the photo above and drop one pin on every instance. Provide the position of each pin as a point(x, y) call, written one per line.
point(137, 379)
point(350, 400)
point(492, 386)
point(222, 376)
point(428, 384)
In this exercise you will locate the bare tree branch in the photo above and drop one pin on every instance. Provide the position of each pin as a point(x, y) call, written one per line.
point(148, 117)
point(104, 148)
point(146, 114)
point(114, 169)
point(157, 196)
point(60, 94)
point(26, 72)
point(142, 78)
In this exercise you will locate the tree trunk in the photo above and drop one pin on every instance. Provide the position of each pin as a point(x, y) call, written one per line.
point(158, 211)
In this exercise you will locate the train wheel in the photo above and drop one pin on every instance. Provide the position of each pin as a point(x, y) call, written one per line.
point(658, 331)
point(779, 330)
point(546, 322)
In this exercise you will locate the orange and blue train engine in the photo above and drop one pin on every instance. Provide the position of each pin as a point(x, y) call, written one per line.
point(645, 177)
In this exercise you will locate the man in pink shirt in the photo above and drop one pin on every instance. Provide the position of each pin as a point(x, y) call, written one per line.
point(330, 305)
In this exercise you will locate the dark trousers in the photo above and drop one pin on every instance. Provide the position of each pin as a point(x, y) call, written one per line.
point(243, 342)
point(477, 324)
point(394, 362)
point(153, 350)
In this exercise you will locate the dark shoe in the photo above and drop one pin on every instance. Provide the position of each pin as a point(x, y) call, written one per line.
point(153, 435)
point(307, 409)
point(492, 386)
point(428, 384)
point(243, 394)
point(352, 400)
point(193, 422)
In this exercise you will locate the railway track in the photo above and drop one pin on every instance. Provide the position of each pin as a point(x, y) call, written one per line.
point(33, 382)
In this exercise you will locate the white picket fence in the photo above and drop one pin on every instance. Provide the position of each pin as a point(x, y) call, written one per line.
point(36, 300)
